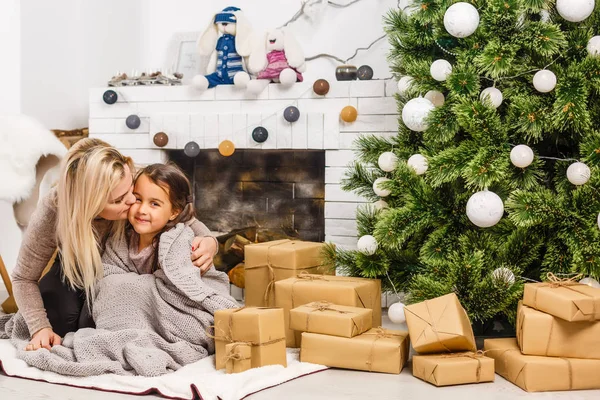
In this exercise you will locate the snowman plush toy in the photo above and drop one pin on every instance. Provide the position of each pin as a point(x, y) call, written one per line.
point(227, 41)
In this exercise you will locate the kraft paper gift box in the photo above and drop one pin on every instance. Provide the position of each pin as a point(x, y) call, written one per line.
point(331, 319)
point(238, 356)
point(454, 368)
point(260, 328)
point(542, 334)
point(564, 299)
point(541, 374)
point(269, 262)
point(377, 350)
point(439, 325)
point(345, 291)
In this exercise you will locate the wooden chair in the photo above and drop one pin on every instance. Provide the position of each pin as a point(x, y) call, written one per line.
point(9, 305)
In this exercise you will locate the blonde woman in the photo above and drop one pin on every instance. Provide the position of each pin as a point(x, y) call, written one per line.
point(89, 205)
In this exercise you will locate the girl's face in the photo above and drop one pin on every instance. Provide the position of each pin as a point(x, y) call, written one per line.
point(121, 198)
point(152, 209)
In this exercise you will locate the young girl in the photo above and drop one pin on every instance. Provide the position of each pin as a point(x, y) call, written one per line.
point(163, 199)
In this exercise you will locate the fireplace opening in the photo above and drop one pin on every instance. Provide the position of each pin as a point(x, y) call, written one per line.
point(276, 191)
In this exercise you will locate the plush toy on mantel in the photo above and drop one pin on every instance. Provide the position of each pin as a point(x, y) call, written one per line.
point(227, 41)
point(277, 57)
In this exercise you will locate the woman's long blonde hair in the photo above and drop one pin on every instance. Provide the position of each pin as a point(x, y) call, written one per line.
point(91, 170)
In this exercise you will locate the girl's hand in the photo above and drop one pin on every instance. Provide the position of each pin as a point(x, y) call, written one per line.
point(203, 252)
point(45, 338)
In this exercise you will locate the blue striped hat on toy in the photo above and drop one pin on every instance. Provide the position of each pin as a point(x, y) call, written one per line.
point(227, 15)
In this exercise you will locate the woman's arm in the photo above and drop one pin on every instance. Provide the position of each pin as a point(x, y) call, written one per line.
point(37, 248)
point(205, 246)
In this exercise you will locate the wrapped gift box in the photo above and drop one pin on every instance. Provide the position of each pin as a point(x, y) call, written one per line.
point(567, 300)
point(439, 325)
point(269, 262)
point(377, 350)
point(331, 319)
point(542, 334)
point(541, 374)
point(305, 288)
point(238, 356)
point(260, 328)
point(454, 368)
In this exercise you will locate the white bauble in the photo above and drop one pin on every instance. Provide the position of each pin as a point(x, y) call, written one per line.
point(485, 209)
point(396, 313)
point(544, 81)
point(404, 84)
point(493, 95)
point(418, 162)
point(590, 282)
point(387, 161)
point(367, 245)
point(436, 98)
point(521, 156)
point(461, 19)
point(415, 112)
point(593, 46)
point(575, 10)
point(380, 205)
point(378, 190)
point(504, 274)
point(578, 173)
point(440, 70)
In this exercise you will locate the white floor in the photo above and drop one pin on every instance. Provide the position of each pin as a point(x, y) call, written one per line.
point(331, 384)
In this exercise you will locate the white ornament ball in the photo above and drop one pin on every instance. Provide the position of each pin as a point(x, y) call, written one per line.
point(415, 112)
point(440, 70)
point(367, 245)
point(461, 19)
point(436, 98)
point(378, 190)
point(504, 274)
point(544, 81)
point(590, 282)
point(485, 209)
point(578, 173)
point(387, 161)
point(575, 10)
point(593, 46)
point(380, 205)
point(521, 156)
point(404, 84)
point(396, 313)
point(418, 162)
point(493, 95)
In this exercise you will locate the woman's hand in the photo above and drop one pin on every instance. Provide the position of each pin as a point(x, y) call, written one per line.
point(203, 252)
point(45, 338)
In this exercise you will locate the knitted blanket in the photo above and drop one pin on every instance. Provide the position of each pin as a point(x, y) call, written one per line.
point(146, 325)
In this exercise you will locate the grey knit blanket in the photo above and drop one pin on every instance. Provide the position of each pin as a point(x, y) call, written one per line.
point(146, 325)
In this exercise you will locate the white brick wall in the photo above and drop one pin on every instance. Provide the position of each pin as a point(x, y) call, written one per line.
point(225, 112)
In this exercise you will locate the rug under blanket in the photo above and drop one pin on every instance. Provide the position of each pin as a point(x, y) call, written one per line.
point(199, 378)
point(146, 325)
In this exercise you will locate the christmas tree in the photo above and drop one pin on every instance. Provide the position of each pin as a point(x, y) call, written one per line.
point(493, 177)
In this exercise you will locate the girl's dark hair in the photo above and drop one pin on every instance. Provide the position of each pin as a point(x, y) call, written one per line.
point(173, 180)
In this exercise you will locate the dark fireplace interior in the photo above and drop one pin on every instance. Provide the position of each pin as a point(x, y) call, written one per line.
point(272, 190)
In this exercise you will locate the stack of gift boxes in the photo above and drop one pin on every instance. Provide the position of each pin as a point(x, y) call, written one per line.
point(442, 335)
point(293, 300)
point(558, 339)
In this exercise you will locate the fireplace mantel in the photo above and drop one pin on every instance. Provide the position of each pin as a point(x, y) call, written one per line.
point(228, 113)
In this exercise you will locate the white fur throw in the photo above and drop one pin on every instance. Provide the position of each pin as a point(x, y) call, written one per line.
point(23, 141)
point(146, 325)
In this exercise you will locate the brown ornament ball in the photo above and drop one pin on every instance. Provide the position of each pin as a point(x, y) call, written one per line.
point(161, 139)
point(349, 114)
point(226, 148)
point(321, 87)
